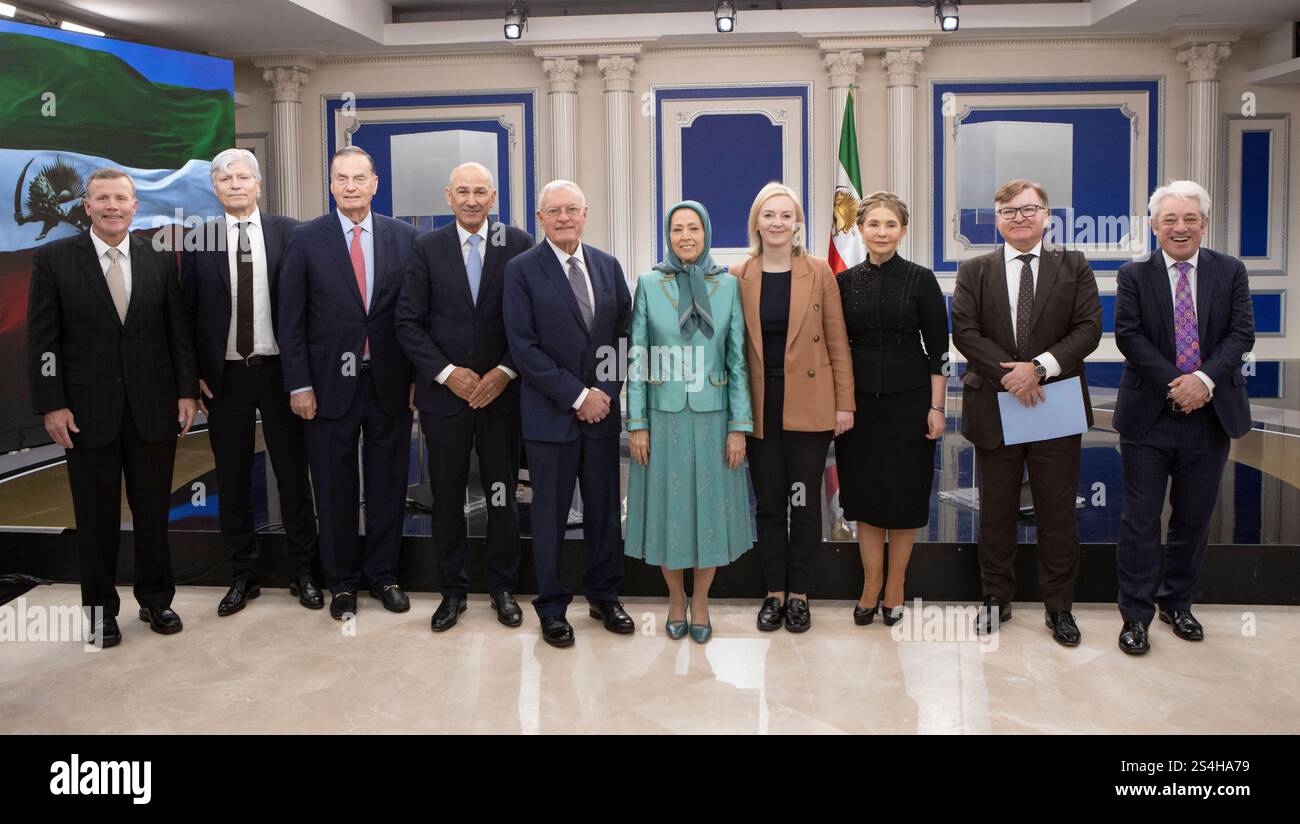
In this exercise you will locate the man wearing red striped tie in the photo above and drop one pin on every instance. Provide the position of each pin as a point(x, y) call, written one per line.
point(347, 376)
point(1184, 321)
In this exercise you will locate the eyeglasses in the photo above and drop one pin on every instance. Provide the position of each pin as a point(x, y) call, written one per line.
point(1009, 212)
point(571, 210)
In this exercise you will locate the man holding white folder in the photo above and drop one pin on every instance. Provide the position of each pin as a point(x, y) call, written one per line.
point(1024, 315)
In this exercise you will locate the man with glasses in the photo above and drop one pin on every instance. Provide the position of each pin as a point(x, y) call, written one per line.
point(1184, 321)
point(567, 312)
point(1024, 315)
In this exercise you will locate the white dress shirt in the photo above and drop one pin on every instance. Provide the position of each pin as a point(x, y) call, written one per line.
point(563, 257)
point(1013, 265)
point(263, 332)
point(465, 235)
point(1173, 293)
point(101, 252)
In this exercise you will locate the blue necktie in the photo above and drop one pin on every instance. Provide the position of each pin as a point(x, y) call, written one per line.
point(474, 266)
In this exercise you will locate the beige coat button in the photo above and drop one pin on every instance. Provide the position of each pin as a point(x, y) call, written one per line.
point(816, 338)
point(811, 373)
point(817, 307)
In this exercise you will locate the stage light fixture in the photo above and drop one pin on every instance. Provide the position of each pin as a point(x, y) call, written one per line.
point(724, 16)
point(516, 17)
point(8, 10)
point(946, 12)
point(80, 29)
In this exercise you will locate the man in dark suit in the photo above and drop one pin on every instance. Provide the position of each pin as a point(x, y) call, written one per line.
point(450, 325)
point(567, 310)
point(346, 375)
point(1184, 321)
point(1023, 315)
point(231, 282)
point(111, 361)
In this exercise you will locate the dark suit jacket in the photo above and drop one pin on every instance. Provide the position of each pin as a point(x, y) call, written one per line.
point(205, 279)
point(439, 324)
point(102, 366)
point(324, 324)
point(1144, 332)
point(1066, 323)
point(555, 356)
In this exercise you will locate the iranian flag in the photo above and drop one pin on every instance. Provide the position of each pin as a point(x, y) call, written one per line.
point(846, 248)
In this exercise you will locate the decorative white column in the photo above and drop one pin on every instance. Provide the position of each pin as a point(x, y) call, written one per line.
point(900, 67)
point(1202, 59)
point(842, 66)
point(287, 80)
point(562, 76)
point(617, 72)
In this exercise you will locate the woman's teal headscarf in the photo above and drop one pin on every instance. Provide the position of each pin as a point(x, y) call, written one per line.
point(693, 304)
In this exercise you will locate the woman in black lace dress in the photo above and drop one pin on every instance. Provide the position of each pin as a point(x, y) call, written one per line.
point(898, 335)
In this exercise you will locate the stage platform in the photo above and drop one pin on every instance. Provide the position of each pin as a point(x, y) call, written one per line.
point(1254, 555)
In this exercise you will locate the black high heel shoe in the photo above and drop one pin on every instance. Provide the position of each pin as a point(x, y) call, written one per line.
point(862, 616)
point(891, 615)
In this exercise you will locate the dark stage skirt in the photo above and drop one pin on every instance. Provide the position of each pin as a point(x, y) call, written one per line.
point(885, 462)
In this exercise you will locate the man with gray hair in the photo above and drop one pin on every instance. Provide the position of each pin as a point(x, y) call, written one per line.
point(567, 307)
point(1184, 321)
point(231, 283)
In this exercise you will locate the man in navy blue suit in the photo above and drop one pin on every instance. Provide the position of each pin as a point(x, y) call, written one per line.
point(567, 309)
point(347, 375)
point(450, 323)
point(231, 289)
point(1184, 321)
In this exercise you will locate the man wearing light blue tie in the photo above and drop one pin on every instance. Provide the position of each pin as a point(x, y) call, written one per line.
point(1184, 321)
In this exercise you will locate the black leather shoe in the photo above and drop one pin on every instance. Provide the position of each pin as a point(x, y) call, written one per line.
point(1185, 626)
point(163, 621)
point(557, 632)
point(988, 621)
point(507, 609)
point(613, 616)
point(1064, 630)
point(1133, 638)
point(862, 616)
point(891, 615)
point(238, 596)
point(394, 599)
point(798, 618)
point(444, 617)
point(343, 604)
point(308, 593)
point(109, 633)
point(771, 614)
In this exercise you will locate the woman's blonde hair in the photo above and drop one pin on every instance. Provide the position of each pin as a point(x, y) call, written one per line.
point(765, 194)
point(888, 200)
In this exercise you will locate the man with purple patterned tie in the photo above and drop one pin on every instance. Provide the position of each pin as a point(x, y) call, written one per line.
point(1184, 321)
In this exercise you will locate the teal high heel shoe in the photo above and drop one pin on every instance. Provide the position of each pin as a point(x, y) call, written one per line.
point(701, 633)
point(676, 629)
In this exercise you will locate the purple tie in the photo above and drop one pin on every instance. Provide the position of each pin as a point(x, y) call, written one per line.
point(1186, 339)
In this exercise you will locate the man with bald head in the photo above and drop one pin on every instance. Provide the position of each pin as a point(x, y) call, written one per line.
point(567, 310)
point(450, 325)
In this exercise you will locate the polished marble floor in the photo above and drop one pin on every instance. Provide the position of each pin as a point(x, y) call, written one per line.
point(278, 668)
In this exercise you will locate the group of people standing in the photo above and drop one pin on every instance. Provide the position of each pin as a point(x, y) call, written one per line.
point(337, 330)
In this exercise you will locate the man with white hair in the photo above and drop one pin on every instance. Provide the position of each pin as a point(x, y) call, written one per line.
point(567, 308)
point(231, 283)
point(1184, 321)
point(450, 324)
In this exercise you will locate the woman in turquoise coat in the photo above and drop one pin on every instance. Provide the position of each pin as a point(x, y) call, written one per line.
point(688, 412)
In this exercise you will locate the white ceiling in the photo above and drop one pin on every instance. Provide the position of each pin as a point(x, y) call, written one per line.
point(339, 27)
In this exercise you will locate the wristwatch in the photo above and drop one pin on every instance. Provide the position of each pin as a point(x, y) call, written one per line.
point(1040, 371)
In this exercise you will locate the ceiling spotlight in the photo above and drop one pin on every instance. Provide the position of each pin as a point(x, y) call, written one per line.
point(946, 12)
point(66, 26)
point(516, 17)
point(8, 9)
point(724, 15)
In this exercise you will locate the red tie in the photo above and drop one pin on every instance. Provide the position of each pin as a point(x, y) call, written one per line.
point(359, 268)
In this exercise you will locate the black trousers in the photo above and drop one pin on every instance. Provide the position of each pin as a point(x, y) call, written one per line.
point(232, 432)
point(1054, 481)
point(1186, 455)
point(594, 464)
point(450, 439)
point(95, 475)
point(333, 450)
point(787, 469)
